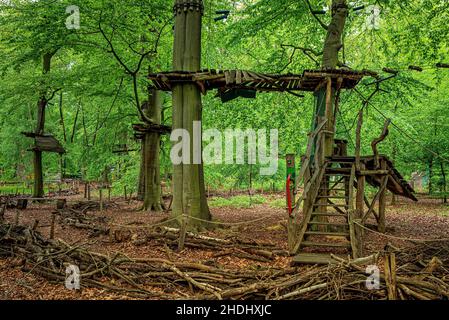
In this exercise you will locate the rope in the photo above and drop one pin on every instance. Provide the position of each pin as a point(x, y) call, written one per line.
point(190, 218)
point(400, 238)
point(144, 226)
point(227, 223)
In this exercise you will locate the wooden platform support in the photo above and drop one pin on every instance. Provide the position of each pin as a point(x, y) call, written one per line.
point(383, 200)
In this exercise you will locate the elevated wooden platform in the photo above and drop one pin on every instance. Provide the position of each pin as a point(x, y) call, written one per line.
point(309, 80)
point(396, 183)
point(45, 143)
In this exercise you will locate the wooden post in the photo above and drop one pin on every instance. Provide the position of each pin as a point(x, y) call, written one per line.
point(17, 217)
point(358, 141)
point(101, 199)
point(328, 147)
point(3, 211)
point(382, 200)
point(35, 225)
point(360, 196)
point(88, 192)
point(85, 190)
point(126, 195)
point(390, 276)
point(109, 194)
point(52, 230)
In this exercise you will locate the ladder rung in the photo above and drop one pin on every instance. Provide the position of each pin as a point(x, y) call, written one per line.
point(321, 244)
point(331, 205)
point(332, 197)
point(325, 214)
point(322, 233)
point(329, 224)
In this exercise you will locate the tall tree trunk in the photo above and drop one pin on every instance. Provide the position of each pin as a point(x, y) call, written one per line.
point(152, 193)
point(38, 191)
point(189, 196)
point(333, 42)
point(141, 185)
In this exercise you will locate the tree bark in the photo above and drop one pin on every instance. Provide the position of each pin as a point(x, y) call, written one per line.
point(333, 42)
point(189, 196)
point(150, 178)
point(38, 191)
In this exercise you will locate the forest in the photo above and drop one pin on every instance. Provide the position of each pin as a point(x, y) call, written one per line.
point(224, 150)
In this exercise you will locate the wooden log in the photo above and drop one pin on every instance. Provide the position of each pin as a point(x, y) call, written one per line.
point(383, 200)
point(358, 140)
point(360, 205)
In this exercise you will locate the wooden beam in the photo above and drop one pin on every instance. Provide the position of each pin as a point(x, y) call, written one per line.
point(383, 199)
point(360, 207)
point(358, 140)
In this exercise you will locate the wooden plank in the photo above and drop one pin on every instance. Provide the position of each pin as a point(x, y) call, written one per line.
point(238, 77)
point(313, 258)
point(326, 244)
point(232, 75)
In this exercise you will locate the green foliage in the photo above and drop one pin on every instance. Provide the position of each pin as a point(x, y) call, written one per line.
point(237, 201)
point(99, 102)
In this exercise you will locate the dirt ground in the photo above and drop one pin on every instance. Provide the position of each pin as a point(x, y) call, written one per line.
point(427, 219)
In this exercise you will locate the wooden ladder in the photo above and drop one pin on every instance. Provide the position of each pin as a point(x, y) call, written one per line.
point(328, 226)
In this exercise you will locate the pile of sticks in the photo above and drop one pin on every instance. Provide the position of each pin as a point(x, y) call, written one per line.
point(244, 249)
point(85, 206)
point(170, 279)
point(80, 219)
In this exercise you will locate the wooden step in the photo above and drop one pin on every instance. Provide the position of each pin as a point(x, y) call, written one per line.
point(322, 233)
point(332, 197)
point(326, 244)
point(328, 224)
point(333, 189)
point(331, 205)
point(314, 258)
point(326, 214)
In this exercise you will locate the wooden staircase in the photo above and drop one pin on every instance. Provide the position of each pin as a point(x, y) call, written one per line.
point(328, 212)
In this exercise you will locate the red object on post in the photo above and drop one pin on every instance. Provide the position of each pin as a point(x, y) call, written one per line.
point(289, 195)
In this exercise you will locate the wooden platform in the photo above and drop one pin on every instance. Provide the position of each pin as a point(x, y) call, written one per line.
point(309, 80)
point(396, 183)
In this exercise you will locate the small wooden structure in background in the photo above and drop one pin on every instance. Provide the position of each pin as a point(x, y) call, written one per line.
point(45, 143)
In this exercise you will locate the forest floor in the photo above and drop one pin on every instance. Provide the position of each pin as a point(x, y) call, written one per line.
point(426, 219)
